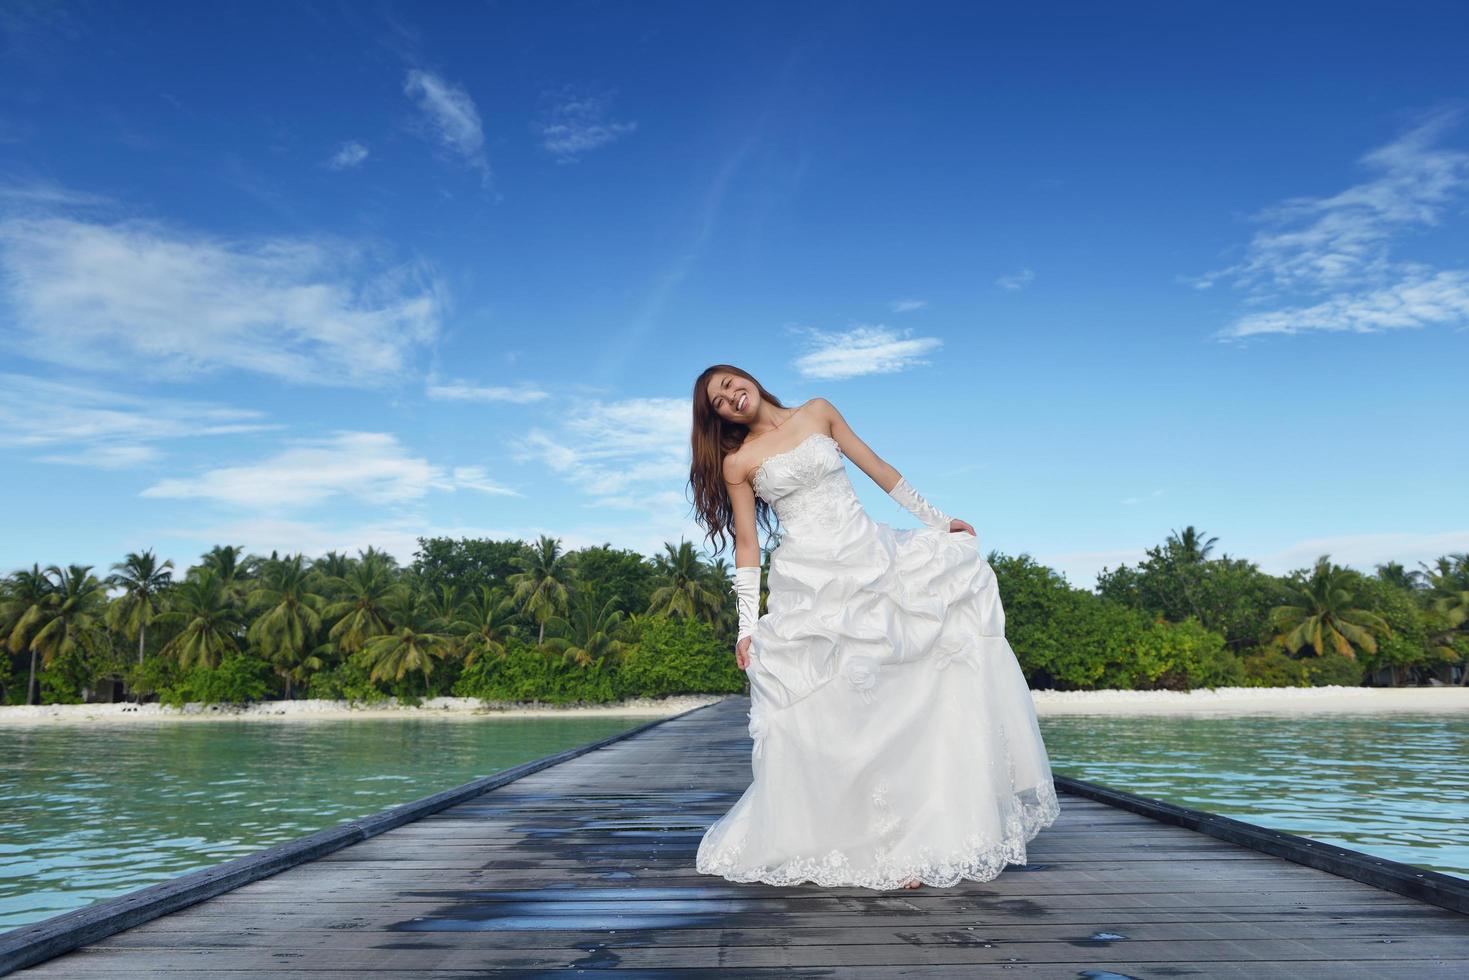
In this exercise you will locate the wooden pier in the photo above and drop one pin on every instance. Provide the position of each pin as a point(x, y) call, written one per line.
point(587, 866)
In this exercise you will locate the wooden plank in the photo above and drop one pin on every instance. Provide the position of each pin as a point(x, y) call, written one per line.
point(588, 865)
point(1406, 969)
point(638, 953)
point(51, 937)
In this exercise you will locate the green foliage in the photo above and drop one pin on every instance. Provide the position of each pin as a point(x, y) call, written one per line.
point(1177, 657)
point(467, 563)
point(680, 656)
point(1268, 667)
point(617, 573)
point(1230, 596)
point(1334, 669)
point(525, 673)
point(238, 679)
point(347, 681)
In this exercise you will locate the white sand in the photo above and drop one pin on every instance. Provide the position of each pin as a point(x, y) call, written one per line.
point(462, 709)
point(1255, 700)
point(1221, 701)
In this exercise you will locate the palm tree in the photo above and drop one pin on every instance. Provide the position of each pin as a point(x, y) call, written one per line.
point(1448, 582)
point(360, 612)
point(1190, 546)
point(71, 618)
point(202, 606)
point(1324, 614)
point(373, 556)
point(1393, 573)
point(441, 605)
point(409, 645)
point(20, 615)
point(143, 581)
point(332, 565)
point(685, 590)
point(482, 625)
point(588, 636)
point(233, 570)
point(540, 588)
point(285, 631)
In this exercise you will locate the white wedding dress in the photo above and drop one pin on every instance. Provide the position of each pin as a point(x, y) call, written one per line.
point(894, 734)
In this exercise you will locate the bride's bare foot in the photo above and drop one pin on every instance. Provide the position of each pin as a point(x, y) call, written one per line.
point(911, 883)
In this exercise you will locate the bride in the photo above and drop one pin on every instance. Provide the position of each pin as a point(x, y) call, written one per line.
point(895, 741)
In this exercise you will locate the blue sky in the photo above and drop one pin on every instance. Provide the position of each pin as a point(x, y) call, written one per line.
point(303, 277)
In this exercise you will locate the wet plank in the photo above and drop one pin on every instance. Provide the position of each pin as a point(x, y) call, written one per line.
point(588, 865)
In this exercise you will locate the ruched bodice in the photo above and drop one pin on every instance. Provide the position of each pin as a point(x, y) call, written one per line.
point(808, 488)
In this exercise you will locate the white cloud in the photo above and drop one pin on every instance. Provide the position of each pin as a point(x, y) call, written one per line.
point(89, 426)
point(1422, 299)
point(1016, 281)
point(576, 124)
point(907, 305)
point(350, 154)
point(372, 467)
point(475, 478)
point(151, 300)
point(629, 454)
point(1328, 263)
point(622, 453)
point(451, 117)
point(863, 350)
point(463, 391)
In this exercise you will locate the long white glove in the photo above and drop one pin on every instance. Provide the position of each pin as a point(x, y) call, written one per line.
point(926, 512)
point(747, 598)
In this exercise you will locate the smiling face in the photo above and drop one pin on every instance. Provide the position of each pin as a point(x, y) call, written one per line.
point(733, 397)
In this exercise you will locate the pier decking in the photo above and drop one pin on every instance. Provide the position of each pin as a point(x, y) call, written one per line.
point(587, 866)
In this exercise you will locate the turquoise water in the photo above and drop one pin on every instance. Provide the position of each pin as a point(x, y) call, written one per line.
point(92, 812)
point(1392, 785)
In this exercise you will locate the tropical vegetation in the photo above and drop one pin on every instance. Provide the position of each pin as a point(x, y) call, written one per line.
point(517, 621)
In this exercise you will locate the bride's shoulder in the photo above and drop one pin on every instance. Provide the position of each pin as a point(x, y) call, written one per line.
point(736, 464)
point(818, 406)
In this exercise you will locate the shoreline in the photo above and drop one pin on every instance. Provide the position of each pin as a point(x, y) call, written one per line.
point(311, 710)
point(1203, 702)
point(1293, 701)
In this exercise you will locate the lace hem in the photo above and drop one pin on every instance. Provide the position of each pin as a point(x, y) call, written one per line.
point(977, 860)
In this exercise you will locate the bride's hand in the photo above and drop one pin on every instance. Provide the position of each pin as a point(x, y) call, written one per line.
point(957, 525)
point(742, 652)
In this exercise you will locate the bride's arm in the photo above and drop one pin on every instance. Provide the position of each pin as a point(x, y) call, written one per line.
point(883, 474)
point(747, 561)
point(879, 469)
point(742, 503)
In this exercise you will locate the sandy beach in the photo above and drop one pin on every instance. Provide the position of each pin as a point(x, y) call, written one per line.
point(1255, 700)
point(1220, 701)
point(457, 709)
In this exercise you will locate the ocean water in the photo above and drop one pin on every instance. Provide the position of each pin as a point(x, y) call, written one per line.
point(92, 812)
point(1393, 785)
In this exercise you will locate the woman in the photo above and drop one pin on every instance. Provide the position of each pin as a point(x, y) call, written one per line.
point(895, 741)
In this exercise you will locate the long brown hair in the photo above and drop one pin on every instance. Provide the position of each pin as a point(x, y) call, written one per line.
point(713, 438)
